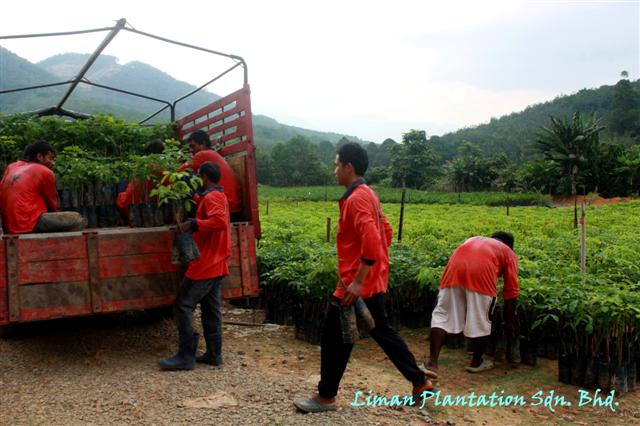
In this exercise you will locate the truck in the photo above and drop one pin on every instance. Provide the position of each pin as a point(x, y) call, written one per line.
point(105, 270)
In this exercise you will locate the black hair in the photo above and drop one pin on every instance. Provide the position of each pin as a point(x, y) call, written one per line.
point(211, 171)
point(356, 155)
point(505, 237)
point(39, 147)
point(155, 146)
point(200, 137)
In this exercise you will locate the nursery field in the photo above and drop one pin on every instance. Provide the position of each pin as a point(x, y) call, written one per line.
point(589, 322)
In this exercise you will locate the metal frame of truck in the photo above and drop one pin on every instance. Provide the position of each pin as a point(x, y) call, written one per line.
point(46, 276)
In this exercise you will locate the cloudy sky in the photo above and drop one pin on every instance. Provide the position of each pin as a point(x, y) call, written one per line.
point(372, 69)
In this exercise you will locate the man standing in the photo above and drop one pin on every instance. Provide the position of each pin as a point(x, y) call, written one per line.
point(212, 234)
point(363, 268)
point(28, 192)
point(201, 152)
point(467, 296)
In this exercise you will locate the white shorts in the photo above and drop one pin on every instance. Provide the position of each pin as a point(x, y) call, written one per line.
point(459, 309)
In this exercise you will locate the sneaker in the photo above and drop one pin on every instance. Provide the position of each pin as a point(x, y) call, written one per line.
point(428, 371)
point(484, 365)
point(417, 391)
point(317, 404)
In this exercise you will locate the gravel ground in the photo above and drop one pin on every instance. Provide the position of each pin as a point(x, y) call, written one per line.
point(104, 371)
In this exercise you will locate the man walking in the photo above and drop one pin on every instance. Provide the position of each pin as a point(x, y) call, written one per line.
point(363, 268)
point(212, 234)
point(467, 296)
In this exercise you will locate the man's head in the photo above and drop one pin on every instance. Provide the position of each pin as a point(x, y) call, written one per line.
point(209, 173)
point(40, 152)
point(198, 141)
point(351, 163)
point(504, 237)
point(154, 147)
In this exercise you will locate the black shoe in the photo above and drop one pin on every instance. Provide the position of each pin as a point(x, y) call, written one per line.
point(213, 355)
point(185, 359)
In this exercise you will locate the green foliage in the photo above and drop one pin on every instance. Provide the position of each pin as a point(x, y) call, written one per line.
point(394, 195)
point(176, 189)
point(553, 291)
point(571, 144)
point(296, 163)
point(413, 163)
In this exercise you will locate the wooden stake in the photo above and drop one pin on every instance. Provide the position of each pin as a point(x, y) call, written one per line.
point(328, 229)
point(267, 208)
point(583, 240)
point(401, 215)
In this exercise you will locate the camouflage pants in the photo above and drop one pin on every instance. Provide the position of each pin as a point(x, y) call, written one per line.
point(60, 222)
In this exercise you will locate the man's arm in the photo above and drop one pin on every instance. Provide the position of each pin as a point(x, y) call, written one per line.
point(354, 289)
point(217, 215)
point(365, 223)
point(387, 229)
point(49, 191)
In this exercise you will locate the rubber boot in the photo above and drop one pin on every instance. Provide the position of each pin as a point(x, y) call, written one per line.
point(185, 359)
point(213, 355)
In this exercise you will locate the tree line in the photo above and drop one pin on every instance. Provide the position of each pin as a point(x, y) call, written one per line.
point(568, 155)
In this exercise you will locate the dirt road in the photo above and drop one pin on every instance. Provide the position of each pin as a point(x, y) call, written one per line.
point(104, 371)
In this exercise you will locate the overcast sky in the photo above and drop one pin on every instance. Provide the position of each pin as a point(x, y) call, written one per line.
point(372, 69)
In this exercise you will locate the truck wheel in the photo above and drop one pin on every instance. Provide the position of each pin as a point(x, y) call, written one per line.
point(161, 313)
point(7, 331)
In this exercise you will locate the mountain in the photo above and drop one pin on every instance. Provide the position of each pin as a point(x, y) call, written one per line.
point(268, 132)
point(514, 134)
point(134, 77)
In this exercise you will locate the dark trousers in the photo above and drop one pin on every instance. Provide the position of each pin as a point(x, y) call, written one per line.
point(335, 354)
point(208, 294)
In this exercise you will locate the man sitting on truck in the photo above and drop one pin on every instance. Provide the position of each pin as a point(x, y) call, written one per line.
point(28, 195)
point(202, 281)
point(201, 152)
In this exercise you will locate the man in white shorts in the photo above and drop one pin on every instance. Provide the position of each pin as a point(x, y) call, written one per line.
point(467, 296)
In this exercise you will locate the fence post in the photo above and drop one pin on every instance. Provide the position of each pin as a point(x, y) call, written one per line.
point(401, 216)
point(583, 240)
point(267, 205)
point(328, 229)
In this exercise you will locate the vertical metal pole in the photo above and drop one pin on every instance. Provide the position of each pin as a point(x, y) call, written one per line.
point(401, 216)
point(328, 229)
point(583, 240)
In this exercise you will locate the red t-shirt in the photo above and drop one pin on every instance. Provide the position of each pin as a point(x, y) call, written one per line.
point(134, 194)
point(27, 190)
point(363, 235)
point(228, 179)
point(213, 237)
point(478, 263)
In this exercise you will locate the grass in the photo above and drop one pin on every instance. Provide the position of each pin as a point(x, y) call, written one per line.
point(412, 196)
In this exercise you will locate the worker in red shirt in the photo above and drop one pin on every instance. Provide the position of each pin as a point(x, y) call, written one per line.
point(363, 268)
point(135, 191)
point(28, 195)
point(467, 296)
point(201, 152)
point(202, 280)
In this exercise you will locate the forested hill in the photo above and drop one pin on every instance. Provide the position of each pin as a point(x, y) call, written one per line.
point(133, 76)
point(515, 133)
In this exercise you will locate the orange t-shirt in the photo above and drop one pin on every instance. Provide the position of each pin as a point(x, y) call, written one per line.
point(228, 179)
point(478, 263)
point(364, 235)
point(213, 237)
point(27, 190)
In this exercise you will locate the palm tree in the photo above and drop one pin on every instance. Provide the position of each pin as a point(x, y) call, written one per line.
point(571, 144)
